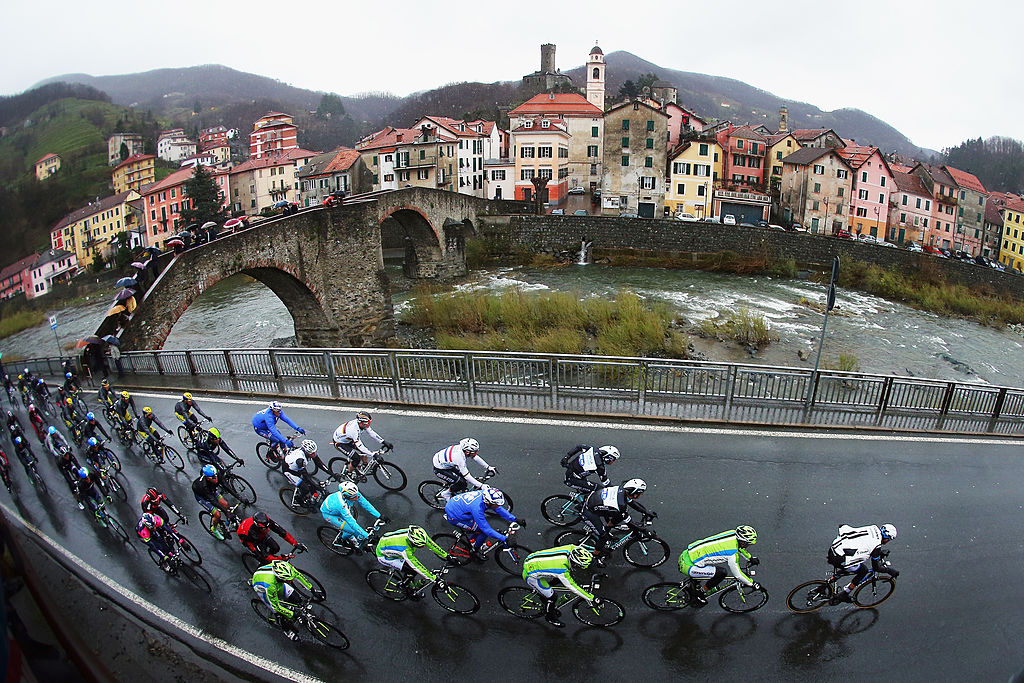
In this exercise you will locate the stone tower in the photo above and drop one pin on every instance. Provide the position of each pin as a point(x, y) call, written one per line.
point(783, 120)
point(547, 58)
point(595, 78)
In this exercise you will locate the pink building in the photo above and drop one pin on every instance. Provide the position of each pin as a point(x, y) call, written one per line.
point(910, 215)
point(743, 163)
point(164, 201)
point(872, 183)
point(15, 278)
point(272, 134)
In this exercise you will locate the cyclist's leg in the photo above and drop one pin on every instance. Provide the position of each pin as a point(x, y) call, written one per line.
point(268, 547)
point(699, 573)
point(451, 478)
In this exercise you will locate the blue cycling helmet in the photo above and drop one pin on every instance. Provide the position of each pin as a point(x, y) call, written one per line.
point(40, 381)
point(90, 415)
point(51, 430)
point(209, 471)
point(66, 374)
point(18, 440)
point(92, 441)
point(83, 473)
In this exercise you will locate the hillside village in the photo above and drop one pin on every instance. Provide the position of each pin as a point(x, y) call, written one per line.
point(647, 156)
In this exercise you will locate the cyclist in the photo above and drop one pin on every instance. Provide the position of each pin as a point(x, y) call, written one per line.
point(5, 469)
point(450, 466)
point(68, 466)
point(346, 437)
point(87, 489)
point(295, 468)
point(582, 461)
point(337, 510)
point(183, 411)
point(254, 533)
point(150, 530)
point(71, 384)
point(41, 391)
point(606, 508)
point(208, 447)
point(125, 409)
point(146, 430)
point(94, 453)
point(55, 442)
point(12, 420)
point(556, 563)
point(206, 488)
point(91, 426)
point(106, 394)
point(8, 385)
point(35, 418)
point(714, 557)
point(858, 550)
point(272, 582)
point(68, 412)
point(395, 551)
point(23, 450)
point(264, 423)
point(153, 502)
point(469, 511)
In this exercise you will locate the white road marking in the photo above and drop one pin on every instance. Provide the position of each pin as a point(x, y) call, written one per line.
point(600, 424)
point(167, 617)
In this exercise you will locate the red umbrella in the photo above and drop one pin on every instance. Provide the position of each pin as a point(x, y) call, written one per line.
point(232, 224)
point(174, 243)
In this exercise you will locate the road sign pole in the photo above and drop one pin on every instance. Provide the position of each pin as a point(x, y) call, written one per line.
point(830, 303)
point(53, 326)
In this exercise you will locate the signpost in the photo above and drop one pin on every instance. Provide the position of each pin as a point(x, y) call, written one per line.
point(829, 305)
point(53, 326)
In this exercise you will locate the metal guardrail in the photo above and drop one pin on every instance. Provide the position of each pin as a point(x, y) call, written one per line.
point(594, 385)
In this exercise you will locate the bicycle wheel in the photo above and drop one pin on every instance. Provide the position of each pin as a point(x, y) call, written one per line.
point(37, 481)
point(268, 456)
point(325, 631)
point(118, 488)
point(317, 593)
point(511, 559)
point(115, 528)
point(264, 612)
point(458, 549)
point(174, 457)
point(189, 551)
point(109, 456)
point(739, 598)
point(809, 596)
point(205, 519)
point(874, 592)
point(337, 466)
point(666, 596)
point(157, 558)
point(185, 437)
point(240, 489)
point(189, 573)
point(386, 584)
point(560, 510)
point(608, 613)
point(521, 602)
point(646, 552)
point(390, 476)
point(455, 598)
point(430, 493)
point(332, 540)
point(575, 537)
point(290, 500)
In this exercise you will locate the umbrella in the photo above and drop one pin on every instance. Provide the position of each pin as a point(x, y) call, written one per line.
point(85, 341)
point(278, 205)
point(185, 233)
point(207, 225)
point(130, 303)
point(111, 339)
point(124, 294)
point(116, 309)
point(154, 250)
point(126, 282)
point(232, 224)
point(136, 264)
point(174, 243)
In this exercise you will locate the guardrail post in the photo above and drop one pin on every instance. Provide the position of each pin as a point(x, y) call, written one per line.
point(229, 364)
point(641, 378)
point(553, 380)
point(883, 401)
point(329, 364)
point(470, 376)
point(273, 363)
point(156, 361)
point(191, 364)
point(1000, 399)
point(396, 383)
point(947, 400)
point(730, 386)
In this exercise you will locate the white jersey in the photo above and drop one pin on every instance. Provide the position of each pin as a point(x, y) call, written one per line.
point(454, 457)
point(588, 461)
point(858, 541)
point(293, 473)
point(348, 433)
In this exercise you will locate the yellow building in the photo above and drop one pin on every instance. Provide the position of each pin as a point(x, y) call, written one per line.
point(1011, 251)
point(47, 166)
point(134, 172)
point(780, 146)
point(88, 231)
point(693, 168)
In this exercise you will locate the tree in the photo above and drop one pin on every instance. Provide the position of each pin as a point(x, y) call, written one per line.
point(330, 105)
point(122, 255)
point(123, 151)
point(631, 90)
point(205, 198)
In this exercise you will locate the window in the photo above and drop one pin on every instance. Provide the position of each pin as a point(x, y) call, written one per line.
point(881, 181)
point(680, 188)
point(754, 163)
point(819, 169)
point(650, 143)
point(817, 188)
point(927, 205)
point(840, 191)
point(543, 124)
point(544, 152)
point(842, 174)
point(863, 176)
point(881, 198)
point(703, 149)
point(591, 150)
point(649, 162)
point(526, 174)
point(389, 177)
point(918, 202)
point(681, 167)
point(903, 218)
point(753, 148)
point(625, 143)
point(702, 170)
point(544, 173)
point(777, 170)
point(563, 152)
point(647, 182)
point(924, 222)
point(839, 209)
point(961, 212)
point(738, 160)
point(862, 212)
point(862, 194)
point(526, 124)
point(625, 160)
point(814, 205)
point(701, 190)
point(963, 195)
point(625, 124)
point(593, 132)
point(497, 175)
point(814, 224)
point(650, 124)
point(526, 152)
point(593, 169)
point(778, 156)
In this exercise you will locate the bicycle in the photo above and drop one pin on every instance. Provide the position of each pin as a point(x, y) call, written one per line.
point(389, 475)
point(733, 596)
point(811, 596)
point(28, 459)
point(317, 594)
point(108, 456)
point(110, 482)
point(332, 539)
point(459, 546)
point(78, 401)
point(124, 430)
point(45, 405)
point(236, 484)
point(300, 504)
point(182, 559)
point(188, 437)
point(272, 454)
point(527, 603)
point(432, 492)
point(5, 472)
point(394, 585)
point(226, 526)
point(641, 548)
point(109, 522)
point(154, 448)
point(75, 430)
point(110, 415)
point(563, 510)
point(321, 628)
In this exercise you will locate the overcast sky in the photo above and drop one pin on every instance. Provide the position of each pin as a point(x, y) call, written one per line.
point(939, 71)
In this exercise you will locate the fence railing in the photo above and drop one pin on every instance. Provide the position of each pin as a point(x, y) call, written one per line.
point(592, 385)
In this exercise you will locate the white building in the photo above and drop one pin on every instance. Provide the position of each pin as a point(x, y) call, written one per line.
point(499, 179)
point(174, 146)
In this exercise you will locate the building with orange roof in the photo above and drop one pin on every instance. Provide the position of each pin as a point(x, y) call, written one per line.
point(971, 195)
point(341, 170)
point(910, 210)
point(540, 148)
point(272, 133)
point(89, 232)
point(15, 278)
point(1011, 252)
point(942, 188)
point(409, 157)
point(47, 166)
point(261, 182)
point(872, 183)
point(164, 200)
point(583, 121)
point(134, 172)
point(470, 149)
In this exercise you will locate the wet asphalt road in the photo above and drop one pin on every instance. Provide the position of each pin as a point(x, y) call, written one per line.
point(956, 503)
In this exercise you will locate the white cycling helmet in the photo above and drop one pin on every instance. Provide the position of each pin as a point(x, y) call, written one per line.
point(634, 487)
point(469, 445)
point(888, 532)
point(493, 496)
point(348, 489)
point(608, 453)
point(308, 446)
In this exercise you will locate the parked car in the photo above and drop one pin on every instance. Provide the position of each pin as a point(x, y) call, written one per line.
point(577, 190)
point(774, 226)
point(935, 251)
point(728, 219)
point(628, 214)
point(762, 224)
point(796, 227)
point(557, 212)
point(980, 260)
point(997, 266)
point(844, 235)
point(579, 212)
point(870, 239)
point(713, 219)
point(914, 246)
point(688, 217)
point(747, 224)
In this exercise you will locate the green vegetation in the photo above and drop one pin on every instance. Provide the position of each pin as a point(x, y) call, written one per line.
point(22, 320)
point(740, 325)
point(846, 362)
point(550, 322)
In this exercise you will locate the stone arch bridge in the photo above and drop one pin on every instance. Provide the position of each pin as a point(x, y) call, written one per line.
point(326, 265)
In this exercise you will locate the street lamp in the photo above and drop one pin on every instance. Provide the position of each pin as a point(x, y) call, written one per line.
point(825, 227)
point(877, 213)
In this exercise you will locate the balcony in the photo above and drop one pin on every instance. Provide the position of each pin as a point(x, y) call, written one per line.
point(751, 197)
point(428, 160)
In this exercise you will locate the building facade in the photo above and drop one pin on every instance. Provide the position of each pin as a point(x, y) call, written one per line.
point(273, 133)
point(217, 136)
point(872, 183)
point(52, 267)
point(910, 210)
point(132, 141)
point(971, 198)
point(816, 189)
point(47, 166)
point(339, 171)
point(694, 168)
point(942, 188)
point(134, 172)
point(408, 157)
point(635, 158)
point(163, 202)
point(540, 148)
point(743, 159)
point(174, 145)
point(499, 178)
point(1011, 252)
point(14, 278)
point(259, 183)
point(88, 232)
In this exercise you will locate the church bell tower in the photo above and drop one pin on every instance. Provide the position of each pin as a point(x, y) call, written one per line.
point(595, 78)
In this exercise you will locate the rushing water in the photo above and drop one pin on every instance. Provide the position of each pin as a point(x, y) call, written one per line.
point(885, 337)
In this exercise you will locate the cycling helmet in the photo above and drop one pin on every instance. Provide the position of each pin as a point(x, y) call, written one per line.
point(209, 471)
point(145, 411)
point(92, 441)
point(153, 492)
point(364, 418)
point(261, 519)
point(148, 520)
point(275, 406)
point(27, 372)
point(469, 445)
point(105, 383)
point(283, 570)
point(417, 536)
point(83, 473)
point(66, 374)
point(746, 534)
point(90, 415)
point(32, 407)
point(634, 487)
point(348, 489)
point(214, 432)
point(493, 496)
point(581, 557)
point(608, 453)
point(187, 396)
point(51, 430)
point(18, 440)
point(10, 414)
point(309, 446)
point(41, 381)
point(888, 532)
point(69, 401)
point(125, 394)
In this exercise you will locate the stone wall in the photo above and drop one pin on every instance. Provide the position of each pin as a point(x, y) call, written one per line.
point(565, 233)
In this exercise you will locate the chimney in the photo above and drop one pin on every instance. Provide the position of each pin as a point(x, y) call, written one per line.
point(398, 138)
point(783, 120)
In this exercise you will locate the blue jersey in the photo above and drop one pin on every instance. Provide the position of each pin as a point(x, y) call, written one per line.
point(338, 511)
point(265, 420)
point(470, 507)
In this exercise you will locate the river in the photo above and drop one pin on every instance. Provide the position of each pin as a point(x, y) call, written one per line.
point(885, 337)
